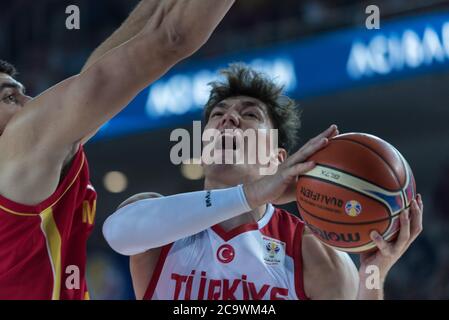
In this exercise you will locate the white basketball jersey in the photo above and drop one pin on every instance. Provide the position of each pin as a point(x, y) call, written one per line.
point(258, 261)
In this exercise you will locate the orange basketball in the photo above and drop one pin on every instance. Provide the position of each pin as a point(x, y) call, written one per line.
point(360, 183)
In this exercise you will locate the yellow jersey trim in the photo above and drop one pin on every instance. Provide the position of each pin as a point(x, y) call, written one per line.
point(53, 240)
point(55, 202)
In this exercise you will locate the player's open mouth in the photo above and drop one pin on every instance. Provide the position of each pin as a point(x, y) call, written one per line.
point(228, 141)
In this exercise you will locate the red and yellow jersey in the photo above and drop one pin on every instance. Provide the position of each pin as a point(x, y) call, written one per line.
point(43, 247)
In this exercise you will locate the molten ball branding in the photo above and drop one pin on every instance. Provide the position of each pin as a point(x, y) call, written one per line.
point(336, 237)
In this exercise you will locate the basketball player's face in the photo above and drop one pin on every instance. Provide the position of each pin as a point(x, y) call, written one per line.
point(248, 115)
point(12, 99)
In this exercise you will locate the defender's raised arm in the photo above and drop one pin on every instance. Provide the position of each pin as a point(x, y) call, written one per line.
point(50, 126)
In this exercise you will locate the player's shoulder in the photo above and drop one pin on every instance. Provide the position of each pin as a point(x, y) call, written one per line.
point(325, 267)
point(317, 252)
point(284, 226)
point(287, 222)
point(284, 217)
point(322, 255)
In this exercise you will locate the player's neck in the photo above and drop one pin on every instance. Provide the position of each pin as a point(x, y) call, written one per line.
point(248, 217)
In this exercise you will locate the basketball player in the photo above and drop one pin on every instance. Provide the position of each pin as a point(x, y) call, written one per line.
point(229, 241)
point(47, 204)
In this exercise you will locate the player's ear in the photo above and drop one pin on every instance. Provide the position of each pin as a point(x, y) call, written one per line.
point(282, 155)
point(138, 197)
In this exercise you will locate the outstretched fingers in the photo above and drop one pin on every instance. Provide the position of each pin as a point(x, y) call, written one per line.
point(416, 217)
point(314, 145)
point(300, 168)
point(404, 233)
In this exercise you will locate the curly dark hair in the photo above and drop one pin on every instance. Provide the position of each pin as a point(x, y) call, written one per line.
point(241, 80)
point(6, 67)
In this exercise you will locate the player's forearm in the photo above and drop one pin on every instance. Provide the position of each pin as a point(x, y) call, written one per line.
point(130, 28)
point(99, 93)
point(195, 20)
point(152, 223)
point(190, 22)
point(200, 17)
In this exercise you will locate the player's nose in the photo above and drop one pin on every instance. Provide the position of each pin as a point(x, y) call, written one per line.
point(229, 121)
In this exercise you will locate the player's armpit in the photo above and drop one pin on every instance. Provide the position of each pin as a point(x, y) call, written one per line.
point(328, 274)
point(29, 176)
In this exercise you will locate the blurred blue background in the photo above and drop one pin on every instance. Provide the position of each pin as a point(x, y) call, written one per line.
point(390, 82)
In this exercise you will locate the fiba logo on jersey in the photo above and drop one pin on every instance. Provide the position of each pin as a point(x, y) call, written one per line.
point(225, 253)
point(274, 251)
point(272, 248)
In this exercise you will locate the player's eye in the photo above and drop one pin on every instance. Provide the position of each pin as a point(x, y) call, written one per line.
point(251, 115)
point(10, 99)
point(217, 113)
